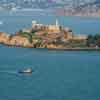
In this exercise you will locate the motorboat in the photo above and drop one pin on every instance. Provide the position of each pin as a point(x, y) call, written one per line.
point(27, 71)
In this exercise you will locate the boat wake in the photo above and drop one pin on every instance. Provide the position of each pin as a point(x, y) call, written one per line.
point(9, 72)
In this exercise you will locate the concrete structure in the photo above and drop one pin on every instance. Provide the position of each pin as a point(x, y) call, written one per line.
point(79, 37)
point(49, 28)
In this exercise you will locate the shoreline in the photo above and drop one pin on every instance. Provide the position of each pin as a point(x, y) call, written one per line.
point(77, 49)
point(56, 49)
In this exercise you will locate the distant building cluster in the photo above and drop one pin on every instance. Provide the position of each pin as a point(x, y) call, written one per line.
point(57, 29)
point(49, 28)
point(47, 3)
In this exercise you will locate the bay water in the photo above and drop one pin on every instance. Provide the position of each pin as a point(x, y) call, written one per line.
point(57, 75)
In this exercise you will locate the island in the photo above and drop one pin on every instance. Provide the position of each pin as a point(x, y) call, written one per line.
point(52, 37)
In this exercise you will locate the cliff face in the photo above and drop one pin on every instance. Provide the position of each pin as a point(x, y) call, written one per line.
point(14, 40)
point(4, 37)
point(19, 41)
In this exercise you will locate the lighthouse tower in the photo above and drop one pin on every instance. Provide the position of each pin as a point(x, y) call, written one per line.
point(57, 23)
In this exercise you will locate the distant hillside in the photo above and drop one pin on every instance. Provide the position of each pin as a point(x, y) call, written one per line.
point(69, 7)
point(49, 3)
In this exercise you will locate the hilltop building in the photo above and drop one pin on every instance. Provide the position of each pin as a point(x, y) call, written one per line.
point(55, 29)
point(49, 28)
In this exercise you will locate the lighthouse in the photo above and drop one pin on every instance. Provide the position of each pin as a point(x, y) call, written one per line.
point(57, 23)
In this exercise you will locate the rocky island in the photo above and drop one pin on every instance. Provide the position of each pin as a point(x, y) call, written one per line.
point(50, 37)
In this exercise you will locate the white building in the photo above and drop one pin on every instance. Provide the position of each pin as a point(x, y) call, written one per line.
point(49, 28)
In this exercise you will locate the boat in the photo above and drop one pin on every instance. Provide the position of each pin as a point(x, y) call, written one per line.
point(28, 70)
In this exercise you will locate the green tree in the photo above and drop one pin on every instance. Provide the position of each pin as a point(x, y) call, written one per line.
point(97, 37)
point(45, 33)
point(90, 40)
point(34, 31)
point(20, 31)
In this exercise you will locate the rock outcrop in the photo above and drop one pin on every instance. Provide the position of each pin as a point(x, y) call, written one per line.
point(14, 40)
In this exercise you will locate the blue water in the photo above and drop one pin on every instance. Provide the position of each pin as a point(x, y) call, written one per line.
point(58, 75)
point(79, 25)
